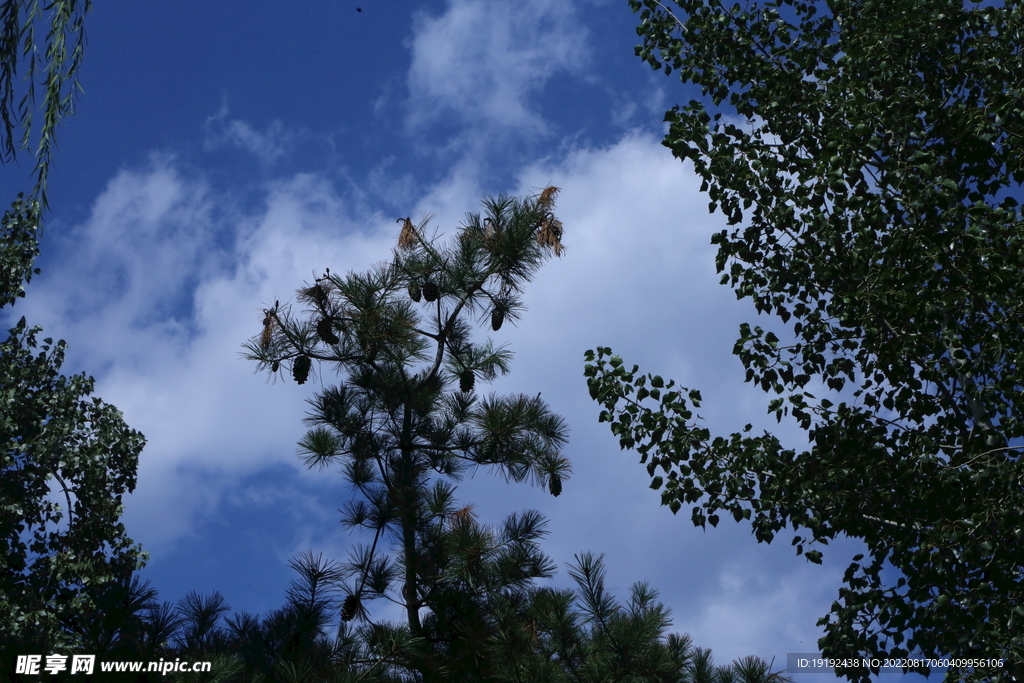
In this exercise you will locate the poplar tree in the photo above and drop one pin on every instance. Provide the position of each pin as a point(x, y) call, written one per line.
point(66, 461)
point(867, 158)
point(66, 457)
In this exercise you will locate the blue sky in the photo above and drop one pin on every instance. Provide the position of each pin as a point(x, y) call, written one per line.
point(224, 152)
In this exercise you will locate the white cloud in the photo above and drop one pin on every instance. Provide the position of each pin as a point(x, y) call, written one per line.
point(159, 311)
point(480, 61)
point(146, 295)
point(754, 610)
point(269, 146)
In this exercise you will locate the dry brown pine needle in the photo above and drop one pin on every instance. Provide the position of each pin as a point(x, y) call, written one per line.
point(406, 238)
point(547, 198)
point(550, 235)
point(269, 320)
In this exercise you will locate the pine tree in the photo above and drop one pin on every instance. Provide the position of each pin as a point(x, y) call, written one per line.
point(586, 635)
point(406, 421)
point(487, 622)
point(404, 424)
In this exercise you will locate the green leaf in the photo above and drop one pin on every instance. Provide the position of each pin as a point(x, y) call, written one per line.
point(881, 230)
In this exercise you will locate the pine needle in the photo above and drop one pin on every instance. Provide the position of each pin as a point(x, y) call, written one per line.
point(269, 321)
point(550, 233)
point(407, 238)
point(547, 198)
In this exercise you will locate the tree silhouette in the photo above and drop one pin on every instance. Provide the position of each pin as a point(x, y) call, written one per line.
point(404, 425)
point(407, 420)
point(55, 557)
point(873, 197)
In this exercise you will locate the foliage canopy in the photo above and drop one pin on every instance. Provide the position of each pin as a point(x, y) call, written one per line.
point(66, 458)
point(867, 155)
point(481, 631)
point(55, 442)
point(407, 419)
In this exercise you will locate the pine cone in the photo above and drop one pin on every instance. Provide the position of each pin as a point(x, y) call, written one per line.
point(325, 331)
point(467, 379)
point(430, 291)
point(555, 485)
point(414, 292)
point(497, 318)
point(350, 607)
point(275, 366)
point(300, 369)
